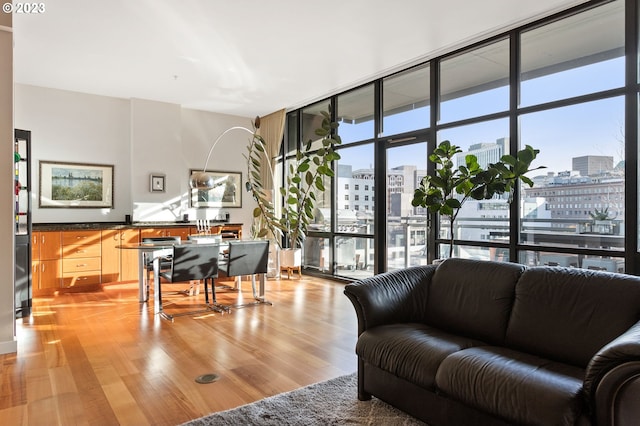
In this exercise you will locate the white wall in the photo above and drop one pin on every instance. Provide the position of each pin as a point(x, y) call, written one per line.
point(199, 130)
point(138, 137)
point(8, 342)
point(77, 128)
point(156, 148)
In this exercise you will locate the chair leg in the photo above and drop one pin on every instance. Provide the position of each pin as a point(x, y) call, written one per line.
point(213, 306)
point(192, 290)
point(253, 286)
point(234, 287)
point(257, 299)
point(214, 303)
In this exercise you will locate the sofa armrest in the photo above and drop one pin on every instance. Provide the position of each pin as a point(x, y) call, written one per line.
point(614, 367)
point(391, 297)
point(617, 396)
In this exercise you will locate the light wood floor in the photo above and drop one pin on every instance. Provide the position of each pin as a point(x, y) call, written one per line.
point(102, 358)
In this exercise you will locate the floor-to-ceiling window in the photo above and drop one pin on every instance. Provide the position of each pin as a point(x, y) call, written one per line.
point(572, 108)
point(473, 114)
point(316, 249)
point(355, 177)
point(560, 85)
point(406, 230)
point(406, 106)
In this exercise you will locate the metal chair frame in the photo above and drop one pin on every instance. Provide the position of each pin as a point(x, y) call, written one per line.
point(247, 258)
point(191, 262)
point(165, 261)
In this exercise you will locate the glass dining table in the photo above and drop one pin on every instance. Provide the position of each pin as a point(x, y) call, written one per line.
point(156, 250)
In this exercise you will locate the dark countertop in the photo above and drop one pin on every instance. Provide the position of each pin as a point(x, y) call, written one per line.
point(116, 225)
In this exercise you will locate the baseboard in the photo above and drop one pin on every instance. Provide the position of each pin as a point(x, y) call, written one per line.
point(9, 347)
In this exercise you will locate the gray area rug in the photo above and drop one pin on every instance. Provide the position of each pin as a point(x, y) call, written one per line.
point(334, 402)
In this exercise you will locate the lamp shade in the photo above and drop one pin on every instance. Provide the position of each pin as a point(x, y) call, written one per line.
point(201, 180)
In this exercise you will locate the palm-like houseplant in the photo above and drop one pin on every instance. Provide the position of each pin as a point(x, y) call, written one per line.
point(305, 178)
point(446, 191)
point(601, 214)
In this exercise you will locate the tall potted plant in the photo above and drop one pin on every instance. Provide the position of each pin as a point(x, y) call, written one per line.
point(303, 181)
point(446, 191)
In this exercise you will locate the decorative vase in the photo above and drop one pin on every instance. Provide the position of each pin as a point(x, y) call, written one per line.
point(290, 258)
point(291, 261)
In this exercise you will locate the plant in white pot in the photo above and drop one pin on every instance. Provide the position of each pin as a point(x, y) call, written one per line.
point(305, 179)
point(446, 191)
point(602, 221)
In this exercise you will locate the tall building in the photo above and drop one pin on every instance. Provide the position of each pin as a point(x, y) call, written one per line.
point(589, 165)
point(486, 152)
point(355, 189)
point(573, 197)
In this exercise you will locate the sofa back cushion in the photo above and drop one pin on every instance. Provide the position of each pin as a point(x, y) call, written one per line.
point(568, 314)
point(473, 298)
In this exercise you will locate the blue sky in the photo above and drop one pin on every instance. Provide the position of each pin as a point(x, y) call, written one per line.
point(594, 128)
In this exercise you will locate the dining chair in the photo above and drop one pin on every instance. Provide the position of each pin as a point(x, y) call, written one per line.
point(165, 260)
point(247, 258)
point(190, 262)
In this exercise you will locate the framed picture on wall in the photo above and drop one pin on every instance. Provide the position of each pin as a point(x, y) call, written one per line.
point(75, 185)
point(227, 191)
point(157, 182)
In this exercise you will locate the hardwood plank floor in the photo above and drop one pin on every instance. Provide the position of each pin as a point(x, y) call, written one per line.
point(103, 358)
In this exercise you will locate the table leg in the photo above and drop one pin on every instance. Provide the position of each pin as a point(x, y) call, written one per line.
point(142, 284)
point(157, 295)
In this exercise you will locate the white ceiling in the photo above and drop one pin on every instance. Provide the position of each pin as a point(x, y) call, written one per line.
point(246, 57)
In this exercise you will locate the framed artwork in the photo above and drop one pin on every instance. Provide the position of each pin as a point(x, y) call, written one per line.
point(75, 185)
point(156, 182)
point(227, 191)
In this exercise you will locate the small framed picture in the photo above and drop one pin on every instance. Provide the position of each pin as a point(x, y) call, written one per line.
point(156, 182)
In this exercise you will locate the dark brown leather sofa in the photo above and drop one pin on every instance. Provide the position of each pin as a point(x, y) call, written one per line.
point(488, 343)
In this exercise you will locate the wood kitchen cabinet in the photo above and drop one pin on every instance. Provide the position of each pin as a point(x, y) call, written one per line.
point(230, 231)
point(81, 258)
point(169, 231)
point(72, 258)
point(118, 264)
point(46, 259)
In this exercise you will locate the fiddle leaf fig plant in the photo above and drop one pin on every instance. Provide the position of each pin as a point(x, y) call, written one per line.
point(450, 187)
point(305, 179)
point(264, 216)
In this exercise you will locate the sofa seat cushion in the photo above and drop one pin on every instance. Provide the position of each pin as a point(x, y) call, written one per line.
point(520, 388)
point(410, 351)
